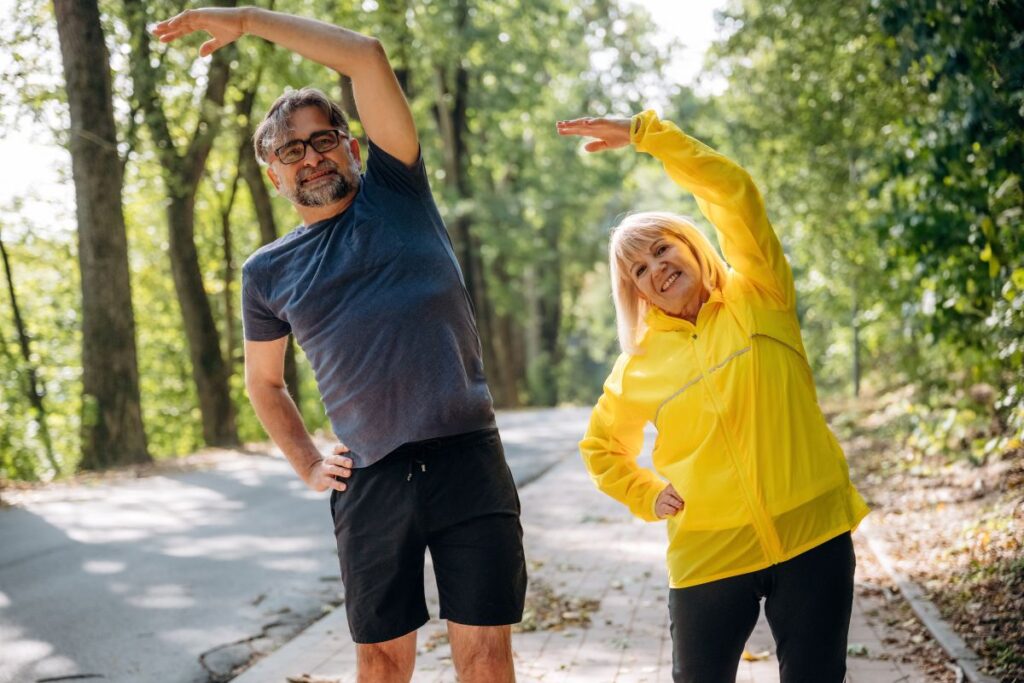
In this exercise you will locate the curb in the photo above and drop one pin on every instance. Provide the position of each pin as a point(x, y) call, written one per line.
point(962, 655)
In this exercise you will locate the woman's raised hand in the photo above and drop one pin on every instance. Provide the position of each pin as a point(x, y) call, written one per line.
point(225, 25)
point(611, 133)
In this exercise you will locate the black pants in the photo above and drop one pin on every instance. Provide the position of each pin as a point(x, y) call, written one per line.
point(807, 603)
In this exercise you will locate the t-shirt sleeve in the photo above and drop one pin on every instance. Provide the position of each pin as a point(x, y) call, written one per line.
point(387, 171)
point(259, 322)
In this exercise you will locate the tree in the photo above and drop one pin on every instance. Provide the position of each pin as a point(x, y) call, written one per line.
point(249, 171)
point(889, 137)
point(33, 390)
point(810, 95)
point(182, 173)
point(112, 429)
point(953, 200)
point(527, 214)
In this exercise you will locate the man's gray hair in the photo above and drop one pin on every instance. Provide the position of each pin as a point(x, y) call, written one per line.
point(273, 131)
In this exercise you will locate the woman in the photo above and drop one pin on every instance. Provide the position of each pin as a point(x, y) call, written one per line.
point(758, 495)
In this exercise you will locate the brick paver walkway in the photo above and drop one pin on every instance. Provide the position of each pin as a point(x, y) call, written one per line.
point(579, 543)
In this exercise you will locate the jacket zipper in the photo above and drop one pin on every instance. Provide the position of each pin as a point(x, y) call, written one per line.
point(770, 543)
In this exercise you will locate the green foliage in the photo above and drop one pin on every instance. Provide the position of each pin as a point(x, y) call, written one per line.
point(957, 425)
point(888, 139)
point(46, 284)
point(539, 207)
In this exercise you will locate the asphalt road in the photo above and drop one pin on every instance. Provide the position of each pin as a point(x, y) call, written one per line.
point(168, 578)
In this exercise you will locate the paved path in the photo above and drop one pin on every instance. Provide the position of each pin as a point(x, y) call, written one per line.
point(132, 580)
point(580, 544)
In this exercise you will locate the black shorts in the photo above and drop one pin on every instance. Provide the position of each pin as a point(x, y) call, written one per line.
point(454, 496)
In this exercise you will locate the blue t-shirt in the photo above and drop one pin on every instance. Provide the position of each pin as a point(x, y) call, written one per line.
point(376, 300)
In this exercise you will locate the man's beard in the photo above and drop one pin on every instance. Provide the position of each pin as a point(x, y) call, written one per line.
point(337, 186)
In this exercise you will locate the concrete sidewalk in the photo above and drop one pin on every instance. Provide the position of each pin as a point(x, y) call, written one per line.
point(580, 544)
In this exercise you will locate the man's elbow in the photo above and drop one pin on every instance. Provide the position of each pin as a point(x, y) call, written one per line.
point(375, 50)
point(369, 59)
point(258, 387)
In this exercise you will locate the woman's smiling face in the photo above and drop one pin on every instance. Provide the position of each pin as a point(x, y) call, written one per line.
point(668, 275)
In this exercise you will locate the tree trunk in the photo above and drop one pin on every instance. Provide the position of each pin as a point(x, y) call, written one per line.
point(855, 313)
point(451, 92)
point(398, 36)
point(32, 389)
point(550, 311)
point(348, 98)
point(855, 320)
point(228, 251)
point(112, 430)
point(182, 174)
point(250, 169)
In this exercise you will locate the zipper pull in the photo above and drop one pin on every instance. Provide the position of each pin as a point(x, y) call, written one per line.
point(423, 467)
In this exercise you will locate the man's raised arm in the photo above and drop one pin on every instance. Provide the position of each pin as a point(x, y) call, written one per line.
point(383, 109)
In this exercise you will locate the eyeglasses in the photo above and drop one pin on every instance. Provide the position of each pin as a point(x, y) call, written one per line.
point(321, 141)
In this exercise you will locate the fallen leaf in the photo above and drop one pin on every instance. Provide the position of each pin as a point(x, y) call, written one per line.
point(857, 650)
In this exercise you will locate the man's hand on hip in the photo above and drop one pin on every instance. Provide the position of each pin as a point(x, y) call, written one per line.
point(328, 472)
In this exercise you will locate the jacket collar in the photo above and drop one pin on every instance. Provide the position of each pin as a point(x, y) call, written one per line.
point(658, 319)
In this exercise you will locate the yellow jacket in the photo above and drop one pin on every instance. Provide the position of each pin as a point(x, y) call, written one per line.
point(740, 433)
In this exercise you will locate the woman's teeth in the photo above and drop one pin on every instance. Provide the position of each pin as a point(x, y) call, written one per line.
point(668, 283)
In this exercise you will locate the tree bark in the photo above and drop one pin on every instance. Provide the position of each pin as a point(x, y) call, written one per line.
point(348, 98)
point(550, 311)
point(182, 173)
point(228, 251)
point(112, 430)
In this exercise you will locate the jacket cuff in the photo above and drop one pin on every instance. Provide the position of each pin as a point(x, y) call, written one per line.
point(647, 508)
point(640, 125)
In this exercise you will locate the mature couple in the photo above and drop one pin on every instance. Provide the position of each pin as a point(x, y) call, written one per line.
point(753, 484)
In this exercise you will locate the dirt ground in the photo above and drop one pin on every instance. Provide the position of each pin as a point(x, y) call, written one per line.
point(954, 526)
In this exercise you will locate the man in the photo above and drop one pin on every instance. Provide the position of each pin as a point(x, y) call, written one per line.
point(370, 287)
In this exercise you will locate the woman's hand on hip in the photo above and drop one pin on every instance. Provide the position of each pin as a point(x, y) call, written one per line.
point(669, 503)
point(611, 133)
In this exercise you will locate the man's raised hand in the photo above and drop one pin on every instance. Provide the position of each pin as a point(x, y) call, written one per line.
point(225, 26)
point(611, 133)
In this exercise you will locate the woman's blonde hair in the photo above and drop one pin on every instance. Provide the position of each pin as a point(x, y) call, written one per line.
point(628, 240)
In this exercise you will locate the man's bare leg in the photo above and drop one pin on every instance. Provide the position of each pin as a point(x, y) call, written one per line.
point(389, 662)
point(482, 654)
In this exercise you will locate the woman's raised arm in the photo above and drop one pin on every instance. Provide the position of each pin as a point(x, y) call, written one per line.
point(725, 193)
point(728, 197)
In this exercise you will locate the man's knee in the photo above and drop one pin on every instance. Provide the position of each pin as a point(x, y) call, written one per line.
point(481, 648)
point(390, 661)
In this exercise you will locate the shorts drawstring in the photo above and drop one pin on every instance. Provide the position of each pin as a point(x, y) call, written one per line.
point(412, 463)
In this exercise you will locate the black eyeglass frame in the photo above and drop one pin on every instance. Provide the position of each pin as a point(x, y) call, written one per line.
point(308, 142)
